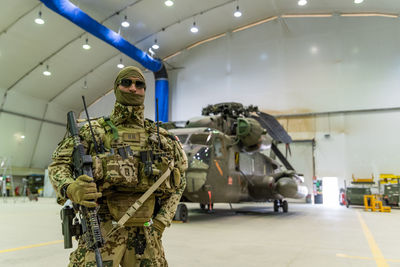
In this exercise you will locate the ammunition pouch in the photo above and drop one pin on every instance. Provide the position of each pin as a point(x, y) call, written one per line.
point(173, 181)
point(176, 177)
point(118, 203)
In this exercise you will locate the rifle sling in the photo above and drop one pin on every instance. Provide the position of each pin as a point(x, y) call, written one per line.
point(135, 206)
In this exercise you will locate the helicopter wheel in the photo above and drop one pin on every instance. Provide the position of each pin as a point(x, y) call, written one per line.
point(285, 206)
point(276, 205)
point(202, 206)
point(181, 213)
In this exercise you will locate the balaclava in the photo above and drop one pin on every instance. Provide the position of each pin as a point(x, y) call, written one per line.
point(124, 98)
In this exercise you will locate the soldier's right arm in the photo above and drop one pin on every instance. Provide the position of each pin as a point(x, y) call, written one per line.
point(60, 170)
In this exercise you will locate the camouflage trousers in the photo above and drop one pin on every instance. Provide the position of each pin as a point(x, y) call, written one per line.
point(126, 247)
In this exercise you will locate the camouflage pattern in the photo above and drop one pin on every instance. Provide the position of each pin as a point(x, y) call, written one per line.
point(117, 178)
point(128, 247)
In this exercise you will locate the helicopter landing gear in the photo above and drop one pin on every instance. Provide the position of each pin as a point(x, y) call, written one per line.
point(281, 203)
point(276, 205)
point(285, 206)
point(207, 207)
point(210, 207)
point(181, 213)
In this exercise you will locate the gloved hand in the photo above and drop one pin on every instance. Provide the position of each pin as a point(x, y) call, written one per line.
point(82, 190)
point(158, 226)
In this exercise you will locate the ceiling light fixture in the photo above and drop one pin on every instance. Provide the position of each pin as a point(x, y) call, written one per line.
point(125, 23)
point(86, 45)
point(151, 52)
point(39, 19)
point(155, 45)
point(302, 2)
point(237, 13)
point(47, 72)
point(194, 28)
point(358, 1)
point(120, 65)
point(169, 3)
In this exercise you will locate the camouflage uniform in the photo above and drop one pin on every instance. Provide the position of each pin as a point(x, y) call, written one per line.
point(122, 181)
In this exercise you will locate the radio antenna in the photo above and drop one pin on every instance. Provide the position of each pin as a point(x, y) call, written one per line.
point(158, 125)
point(96, 147)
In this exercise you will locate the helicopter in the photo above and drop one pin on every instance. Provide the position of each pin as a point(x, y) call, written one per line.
point(233, 155)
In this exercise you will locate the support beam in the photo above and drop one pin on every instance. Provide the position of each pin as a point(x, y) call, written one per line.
point(38, 136)
point(32, 117)
point(325, 113)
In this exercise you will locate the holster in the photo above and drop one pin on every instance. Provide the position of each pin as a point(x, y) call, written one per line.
point(69, 229)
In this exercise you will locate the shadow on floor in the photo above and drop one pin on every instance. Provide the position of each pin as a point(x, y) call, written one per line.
point(198, 215)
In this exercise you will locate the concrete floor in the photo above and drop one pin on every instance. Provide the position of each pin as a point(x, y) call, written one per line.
point(252, 235)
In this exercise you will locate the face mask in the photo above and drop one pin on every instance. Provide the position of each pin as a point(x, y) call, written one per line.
point(129, 99)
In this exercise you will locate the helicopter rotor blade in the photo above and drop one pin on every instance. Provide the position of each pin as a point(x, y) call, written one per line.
point(273, 127)
point(281, 157)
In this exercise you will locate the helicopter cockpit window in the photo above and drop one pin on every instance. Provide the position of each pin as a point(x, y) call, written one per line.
point(182, 138)
point(218, 148)
point(201, 159)
point(200, 139)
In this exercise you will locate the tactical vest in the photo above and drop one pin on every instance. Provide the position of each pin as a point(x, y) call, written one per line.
point(134, 159)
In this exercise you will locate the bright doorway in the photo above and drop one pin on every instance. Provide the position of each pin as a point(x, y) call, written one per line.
point(330, 191)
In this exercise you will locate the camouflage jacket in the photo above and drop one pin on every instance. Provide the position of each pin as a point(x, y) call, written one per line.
point(106, 132)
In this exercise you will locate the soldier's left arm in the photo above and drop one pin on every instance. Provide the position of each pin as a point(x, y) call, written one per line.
point(169, 204)
point(60, 170)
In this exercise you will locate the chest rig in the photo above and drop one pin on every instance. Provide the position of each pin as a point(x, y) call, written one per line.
point(134, 160)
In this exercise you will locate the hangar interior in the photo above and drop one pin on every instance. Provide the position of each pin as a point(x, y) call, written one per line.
point(327, 70)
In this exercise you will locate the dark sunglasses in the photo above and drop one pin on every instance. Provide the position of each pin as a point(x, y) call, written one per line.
point(128, 82)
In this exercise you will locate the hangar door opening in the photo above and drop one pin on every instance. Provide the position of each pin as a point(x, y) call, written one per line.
point(330, 191)
point(301, 159)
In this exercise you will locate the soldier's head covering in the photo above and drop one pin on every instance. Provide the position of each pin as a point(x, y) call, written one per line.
point(129, 98)
point(129, 72)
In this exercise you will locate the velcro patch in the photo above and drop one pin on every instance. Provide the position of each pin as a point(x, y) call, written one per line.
point(131, 137)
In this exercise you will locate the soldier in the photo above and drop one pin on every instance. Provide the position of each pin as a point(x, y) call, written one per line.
point(135, 156)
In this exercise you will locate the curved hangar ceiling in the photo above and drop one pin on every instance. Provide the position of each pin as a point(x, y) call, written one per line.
point(28, 51)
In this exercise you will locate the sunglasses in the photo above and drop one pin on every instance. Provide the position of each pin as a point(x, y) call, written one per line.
point(128, 82)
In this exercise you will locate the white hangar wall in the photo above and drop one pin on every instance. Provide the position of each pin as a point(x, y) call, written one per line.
point(303, 65)
point(293, 65)
point(31, 153)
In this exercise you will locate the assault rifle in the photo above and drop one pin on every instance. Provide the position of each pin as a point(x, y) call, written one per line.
point(89, 228)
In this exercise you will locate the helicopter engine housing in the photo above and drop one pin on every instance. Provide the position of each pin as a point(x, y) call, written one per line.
point(288, 187)
point(261, 186)
point(249, 132)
